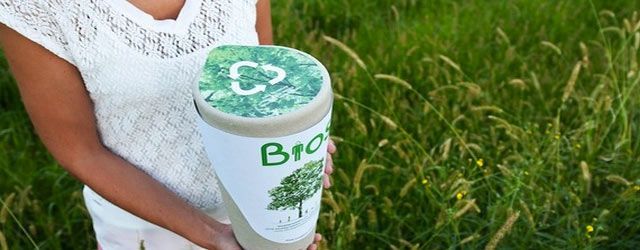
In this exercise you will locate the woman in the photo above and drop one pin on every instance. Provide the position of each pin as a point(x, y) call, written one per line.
point(106, 85)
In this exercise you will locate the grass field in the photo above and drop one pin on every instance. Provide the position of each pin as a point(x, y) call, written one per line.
point(460, 124)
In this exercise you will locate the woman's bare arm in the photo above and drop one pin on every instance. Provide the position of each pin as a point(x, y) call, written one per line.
point(59, 107)
point(263, 22)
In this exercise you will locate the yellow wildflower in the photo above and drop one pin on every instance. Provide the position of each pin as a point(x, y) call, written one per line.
point(557, 136)
point(459, 196)
point(589, 228)
point(480, 162)
point(636, 187)
point(424, 181)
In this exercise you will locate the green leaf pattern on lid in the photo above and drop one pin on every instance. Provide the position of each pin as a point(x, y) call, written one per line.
point(259, 81)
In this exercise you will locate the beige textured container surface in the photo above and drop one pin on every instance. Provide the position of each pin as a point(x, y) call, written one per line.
point(248, 239)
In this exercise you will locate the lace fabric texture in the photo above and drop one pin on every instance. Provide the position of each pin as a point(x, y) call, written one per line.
point(138, 73)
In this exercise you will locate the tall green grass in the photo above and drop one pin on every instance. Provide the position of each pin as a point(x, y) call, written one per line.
point(460, 124)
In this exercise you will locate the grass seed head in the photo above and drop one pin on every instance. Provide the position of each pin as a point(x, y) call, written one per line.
point(357, 178)
point(407, 186)
point(585, 55)
point(535, 81)
point(503, 231)
point(607, 13)
point(446, 148)
point(350, 52)
point(469, 239)
point(351, 229)
point(487, 108)
point(353, 114)
point(552, 46)
point(4, 210)
point(450, 63)
point(568, 90)
point(468, 206)
point(528, 214)
point(412, 50)
point(518, 83)
point(372, 217)
point(373, 188)
point(473, 90)
point(504, 170)
point(394, 79)
point(627, 25)
point(615, 30)
point(329, 200)
point(392, 125)
point(618, 179)
point(586, 176)
point(503, 36)
point(396, 13)
point(3, 242)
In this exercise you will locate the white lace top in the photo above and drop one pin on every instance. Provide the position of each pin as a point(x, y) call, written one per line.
point(138, 72)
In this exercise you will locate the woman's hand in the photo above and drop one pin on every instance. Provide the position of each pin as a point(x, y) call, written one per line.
point(225, 240)
point(326, 182)
point(328, 169)
point(316, 241)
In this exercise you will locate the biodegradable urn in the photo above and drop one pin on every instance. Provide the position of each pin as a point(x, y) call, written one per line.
point(265, 117)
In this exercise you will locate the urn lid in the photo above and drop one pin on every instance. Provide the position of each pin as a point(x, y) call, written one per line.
point(262, 91)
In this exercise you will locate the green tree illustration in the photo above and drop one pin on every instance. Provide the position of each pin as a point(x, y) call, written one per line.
point(301, 185)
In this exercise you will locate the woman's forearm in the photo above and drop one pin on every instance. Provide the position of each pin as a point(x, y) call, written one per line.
point(263, 22)
point(138, 193)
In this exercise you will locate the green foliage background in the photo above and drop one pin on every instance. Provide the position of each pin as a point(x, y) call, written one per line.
point(525, 110)
point(302, 84)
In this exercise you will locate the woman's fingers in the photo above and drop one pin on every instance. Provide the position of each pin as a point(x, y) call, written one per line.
point(316, 240)
point(326, 182)
point(332, 147)
point(328, 169)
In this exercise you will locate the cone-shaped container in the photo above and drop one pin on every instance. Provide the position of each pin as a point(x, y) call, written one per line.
point(266, 114)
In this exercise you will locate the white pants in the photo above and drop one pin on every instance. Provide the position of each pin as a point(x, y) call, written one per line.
point(117, 229)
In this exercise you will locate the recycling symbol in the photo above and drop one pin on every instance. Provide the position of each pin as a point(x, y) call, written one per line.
point(235, 75)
